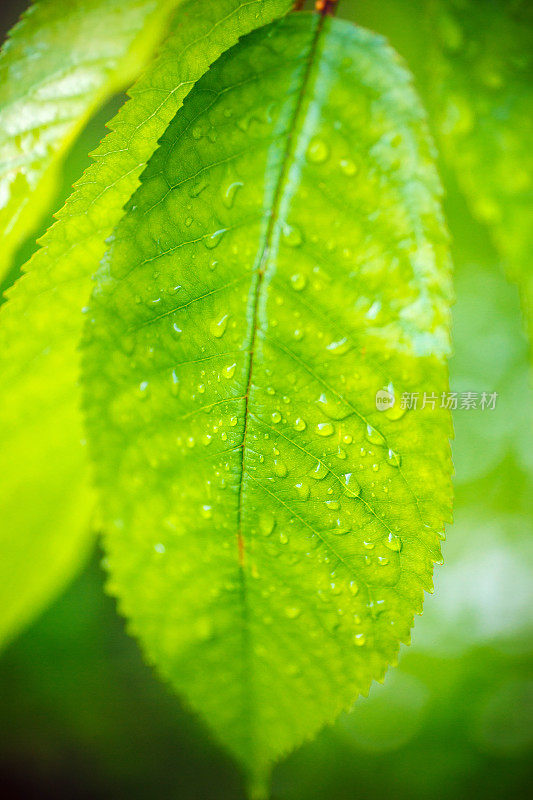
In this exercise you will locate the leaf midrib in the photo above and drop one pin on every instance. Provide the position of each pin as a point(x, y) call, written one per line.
point(276, 206)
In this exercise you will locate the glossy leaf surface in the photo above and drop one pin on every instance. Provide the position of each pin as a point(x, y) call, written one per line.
point(61, 61)
point(45, 500)
point(271, 532)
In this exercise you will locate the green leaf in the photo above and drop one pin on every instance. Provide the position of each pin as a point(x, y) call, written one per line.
point(270, 532)
point(479, 72)
point(44, 483)
point(62, 60)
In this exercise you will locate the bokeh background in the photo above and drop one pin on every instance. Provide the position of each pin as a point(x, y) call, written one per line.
point(82, 716)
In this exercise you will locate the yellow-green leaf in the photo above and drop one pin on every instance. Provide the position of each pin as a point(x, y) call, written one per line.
point(44, 473)
point(479, 74)
point(271, 531)
point(62, 60)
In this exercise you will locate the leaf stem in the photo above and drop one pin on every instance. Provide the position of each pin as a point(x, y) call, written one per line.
point(326, 7)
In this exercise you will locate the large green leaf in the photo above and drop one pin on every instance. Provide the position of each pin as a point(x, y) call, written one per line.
point(270, 531)
point(61, 61)
point(479, 74)
point(44, 494)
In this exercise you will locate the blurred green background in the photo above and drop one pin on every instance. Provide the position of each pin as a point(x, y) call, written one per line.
point(82, 716)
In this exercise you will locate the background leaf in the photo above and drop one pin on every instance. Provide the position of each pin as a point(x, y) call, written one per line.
point(284, 259)
point(473, 63)
point(480, 88)
point(43, 465)
point(61, 61)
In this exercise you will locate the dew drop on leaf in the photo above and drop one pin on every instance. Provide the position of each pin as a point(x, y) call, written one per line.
point(351, 485)
point(229, 371)
point(292, 612)
point(228, 196)
point(393, 458)
point(280, 469)
point(292, 235)
point(393, 543)
point(303, 490)
point(214, 239)
point(325, 429)
point(317, 151)
point(374, 436)
point(267, 523)
point(298, 281)
point(319, 472)
point(218, 326)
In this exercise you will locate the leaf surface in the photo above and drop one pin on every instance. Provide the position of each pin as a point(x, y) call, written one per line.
point(270, 532)
point(62, 60)
point(44, 496)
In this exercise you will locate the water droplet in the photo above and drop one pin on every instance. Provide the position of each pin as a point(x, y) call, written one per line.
point(283, 538)
point(333, 504)
point(354, 588)
point(317, 151)
point(351, 485)
point(198, 187)
point(359, 639)
point(267, 523)
point(292, 612)
point(318, 472)
point(159, 548)
point(303, 490)
point(369, 545)
point(383, 560)
point(332, 407)
point(348, 167)
point(206, 511)
point(299, 424)
point(374, 436)
point(325, 429)
point(292, 235)
point(340, 528)
point(174, 383)
point(207, 439)
point(395, 412)
point(280, 468)
point(298, 281)
point(177, 330)
point(233, 421)
point(218, 326)
point(229, 371)
point(228, 196)
point(393, 543)
point(144, 390)
point(276, 417)
point(339, 347)
point(394, 459)
point(214, 239)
